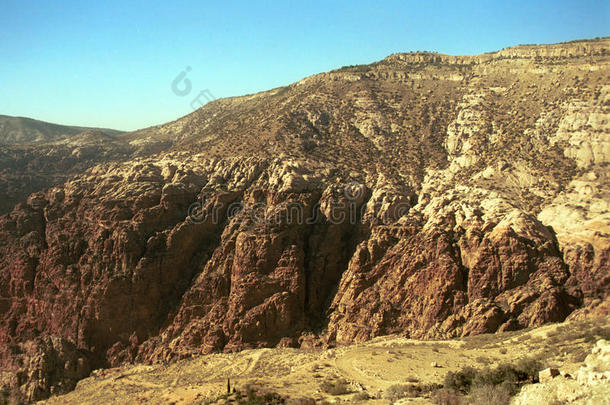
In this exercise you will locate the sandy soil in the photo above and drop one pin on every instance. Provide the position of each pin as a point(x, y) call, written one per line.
point(297, 373)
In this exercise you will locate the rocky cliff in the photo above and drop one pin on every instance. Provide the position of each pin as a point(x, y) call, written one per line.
point(35, 155)
point(424, 195)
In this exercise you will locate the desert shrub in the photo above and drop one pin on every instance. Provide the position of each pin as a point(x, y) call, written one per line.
point(528, 368)
point(397, 391)
point(586, 331)
point(446, 397)
point(504, 373)
point(339, 387)
point(254, 398)
point(523, 338)
point(510, 376)
point(460, 380)
point(483, 360)
point(361, 396)
point(597, 333)
point(430, 387)
point(490, 394)
point(354, 68)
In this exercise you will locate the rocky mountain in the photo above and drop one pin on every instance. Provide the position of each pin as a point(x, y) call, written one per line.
point(427, 195)
point(19, 130)
point(36, 155)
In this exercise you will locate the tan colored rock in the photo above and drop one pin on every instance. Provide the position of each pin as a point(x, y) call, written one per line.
point(589, 387)
point(428, 200)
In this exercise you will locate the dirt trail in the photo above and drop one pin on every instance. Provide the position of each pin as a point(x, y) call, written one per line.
point(296, 373)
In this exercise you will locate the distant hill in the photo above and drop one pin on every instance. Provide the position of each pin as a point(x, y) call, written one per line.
point(26, 130)
point(35, 155)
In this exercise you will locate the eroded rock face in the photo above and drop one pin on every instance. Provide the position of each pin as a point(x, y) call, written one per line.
point(41, 367)
point(430, 201)
point(437, 282)
point(589, 385)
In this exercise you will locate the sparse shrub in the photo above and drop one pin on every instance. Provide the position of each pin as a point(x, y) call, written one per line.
point(601, 332)
point(430, 387)
point(339, 387)
point(354, 68)
point(361, 396)
point(529, 368)
point(460, 380)
point(253, 398)
point(490, 394)
point(396, 391)
point(510, 376)
point(446, 396)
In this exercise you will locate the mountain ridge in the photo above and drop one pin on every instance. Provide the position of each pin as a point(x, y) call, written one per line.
point(430, 201)
point(15, 130)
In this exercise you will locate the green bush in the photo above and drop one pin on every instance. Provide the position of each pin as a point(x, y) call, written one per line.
point(510, 376)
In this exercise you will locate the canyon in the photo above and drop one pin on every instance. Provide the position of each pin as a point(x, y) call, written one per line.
point(428, 196)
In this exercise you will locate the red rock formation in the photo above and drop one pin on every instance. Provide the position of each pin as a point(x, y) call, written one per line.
point(412, 213)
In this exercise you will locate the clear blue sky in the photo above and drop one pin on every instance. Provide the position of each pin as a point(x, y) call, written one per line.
point(111, 63)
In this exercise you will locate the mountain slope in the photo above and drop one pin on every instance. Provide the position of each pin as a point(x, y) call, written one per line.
point(15, 130)
point(36, 155)
point(428, 195)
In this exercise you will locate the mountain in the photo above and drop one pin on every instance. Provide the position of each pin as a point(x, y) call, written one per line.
point(427, 195)
point(15, 130)
point(36, 155)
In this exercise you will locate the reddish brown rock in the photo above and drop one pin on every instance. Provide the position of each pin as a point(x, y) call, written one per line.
point(40, 367)
point(404, 199)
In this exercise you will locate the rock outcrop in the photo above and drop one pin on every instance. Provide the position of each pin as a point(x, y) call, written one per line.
point(589, 385)
point(40, 367)
point(434, 201)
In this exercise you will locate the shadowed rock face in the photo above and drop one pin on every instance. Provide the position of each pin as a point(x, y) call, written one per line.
point(31, 165)
point(41, 367)
point(428, 197)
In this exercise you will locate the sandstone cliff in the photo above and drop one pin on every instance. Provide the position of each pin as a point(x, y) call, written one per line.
point(426, 195)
